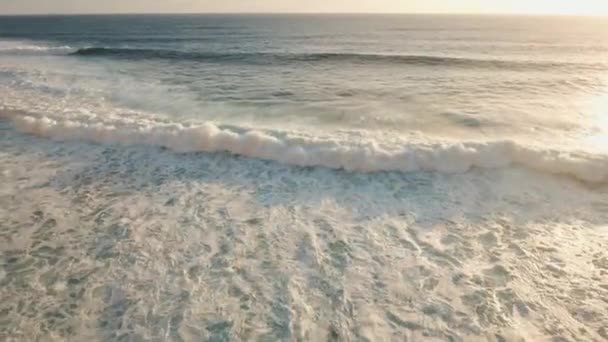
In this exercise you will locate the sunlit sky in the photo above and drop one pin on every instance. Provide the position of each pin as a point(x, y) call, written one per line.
point(576, 7)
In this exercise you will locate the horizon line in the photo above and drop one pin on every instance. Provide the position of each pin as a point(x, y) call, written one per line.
point(507, 14)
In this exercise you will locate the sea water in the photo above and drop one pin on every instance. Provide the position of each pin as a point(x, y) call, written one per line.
point(303, 177)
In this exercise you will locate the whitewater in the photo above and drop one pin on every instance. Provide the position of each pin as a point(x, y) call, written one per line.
point(314, 177)
point(301, 150)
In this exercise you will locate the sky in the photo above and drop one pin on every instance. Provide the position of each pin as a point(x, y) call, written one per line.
point(575, 7)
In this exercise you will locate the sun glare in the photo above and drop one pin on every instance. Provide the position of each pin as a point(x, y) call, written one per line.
point(597, 139)
point(579, 7)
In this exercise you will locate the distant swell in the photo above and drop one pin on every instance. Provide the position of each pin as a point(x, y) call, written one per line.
point(366, 156)
point(278, 58)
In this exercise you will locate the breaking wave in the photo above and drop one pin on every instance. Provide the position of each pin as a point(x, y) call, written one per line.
point(24, 48)
point(367, 155)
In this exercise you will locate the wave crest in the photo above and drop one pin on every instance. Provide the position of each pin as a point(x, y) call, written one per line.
point(23, 47)
point(366, 156)
point(274, 58)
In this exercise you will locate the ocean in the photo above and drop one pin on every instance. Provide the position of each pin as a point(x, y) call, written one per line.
point(303, 178)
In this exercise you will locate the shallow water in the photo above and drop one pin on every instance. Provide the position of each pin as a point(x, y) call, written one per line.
point(393, 199)
point(115, 243)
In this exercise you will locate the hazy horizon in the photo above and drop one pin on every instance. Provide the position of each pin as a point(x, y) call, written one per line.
point(480, 14)
point(478, 7)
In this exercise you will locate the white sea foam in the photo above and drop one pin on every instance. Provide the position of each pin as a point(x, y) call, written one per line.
point(365, 155)
point(21, 47)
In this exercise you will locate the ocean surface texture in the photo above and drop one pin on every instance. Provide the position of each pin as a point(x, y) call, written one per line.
point(303, 178)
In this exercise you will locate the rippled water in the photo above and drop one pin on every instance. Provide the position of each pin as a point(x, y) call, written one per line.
point(268, 178)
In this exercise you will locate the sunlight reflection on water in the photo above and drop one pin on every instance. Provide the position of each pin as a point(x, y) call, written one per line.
point(596, 139)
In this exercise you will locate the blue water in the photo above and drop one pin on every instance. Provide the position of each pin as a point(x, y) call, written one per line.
point(303, 178)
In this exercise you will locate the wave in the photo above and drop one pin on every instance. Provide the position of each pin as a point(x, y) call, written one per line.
point(27, 48)
point(335, 153)
point(274, 58)
point(23, 47)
